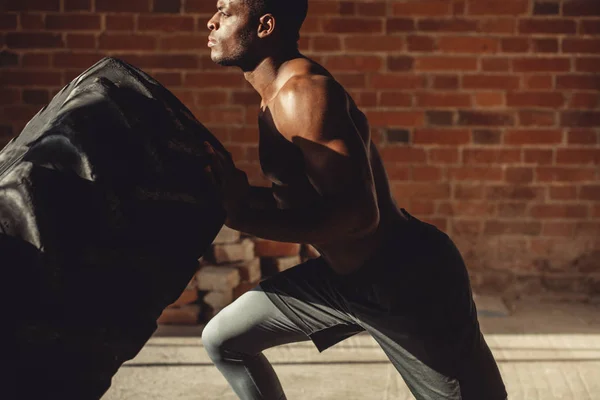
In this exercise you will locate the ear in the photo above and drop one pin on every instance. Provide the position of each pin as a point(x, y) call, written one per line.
point(266, 26)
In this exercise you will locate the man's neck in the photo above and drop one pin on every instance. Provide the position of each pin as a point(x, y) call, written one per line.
point(264, 76)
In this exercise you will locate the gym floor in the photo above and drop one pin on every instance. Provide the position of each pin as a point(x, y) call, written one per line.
point(544, 351)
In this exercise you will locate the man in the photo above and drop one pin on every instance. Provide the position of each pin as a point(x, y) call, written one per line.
point(380, 270)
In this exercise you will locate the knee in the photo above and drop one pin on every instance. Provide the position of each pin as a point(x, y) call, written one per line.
point(212, 338)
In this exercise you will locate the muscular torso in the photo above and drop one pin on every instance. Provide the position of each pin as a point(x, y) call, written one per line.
point(282, 163)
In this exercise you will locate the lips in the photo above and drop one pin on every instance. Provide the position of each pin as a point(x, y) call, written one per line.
point(211, 42)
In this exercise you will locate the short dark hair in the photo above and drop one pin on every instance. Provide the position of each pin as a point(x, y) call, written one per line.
point(289, 13)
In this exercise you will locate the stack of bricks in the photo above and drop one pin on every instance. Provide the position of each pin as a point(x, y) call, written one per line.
point(227, 271)
point(185, 310)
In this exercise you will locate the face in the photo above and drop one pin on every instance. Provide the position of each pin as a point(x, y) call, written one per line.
point(232, 35)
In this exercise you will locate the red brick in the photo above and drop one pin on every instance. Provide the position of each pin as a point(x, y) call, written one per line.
point(365, 99)
point(247, 98)
point(565, 174)
point(441, 118)
point(583, 82)
point(491, 156)
point(186, 315)
point(519, 175)
point(32, 21)
point(78, 5)
point(425, 191)
point(584, 101)
point(186, 297)
point(396, 81)
point(496, 227)
point(30, 78)
point(582, 136)
point(504, 82)
point(183, 42)
point(162, 61)
point(580, 118)
point(441, 63)
point(548, 26)
point(515, 45)
point(168, 24)
point(126, 42)
point(537, 82)
point(371, 9)
point(479, 118)
point(75, 60)
point(545, 45)
point(397, 172)
point(558, 228)
point(447, 25)
point(168, 78)
point(420, 8)
point(402, 154)
point(69, 22)
point(466, 227)
point(443, 100)
point(35, 60)
point(311, 25)
point(441, 136)
point(498, 7)
point(351, 80)
point(486, 136)
point(587, 64)
point(596, 211)
point(587, 229)
point(32, 5)
point(426, 173)
point(512, 210)
point(467, 208)
point(537, 156)
point(445, 82)
point(548, 211)
point(563, 192)
point(123, 6)
point(395, 118)
point(221, 115)
point(214, 80)
point(8, 22)
point(201, 6)
point(354, 63)
point(497, 26)
point(475, 174)
point(421, 43)
point(580, 46)
point(352, 25)
point(399, 25)
point(326, 43)
point(530, 136)
point(590, 192)
point(374, 43)
point(589, 27)
point(467, 44)
point(492, 64)
point(581, 8)
point(395, 99)
point(489, 99)
point(535, 99)
point(443, 156)
point(81, 41)
point(29, 40)
point(514, 192)
point(536, 118)
point(468, 191)
point(10, 96)
point(541, 64)
point(120, 23)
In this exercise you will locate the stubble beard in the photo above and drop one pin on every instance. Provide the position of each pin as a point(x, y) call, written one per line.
point(239, 56)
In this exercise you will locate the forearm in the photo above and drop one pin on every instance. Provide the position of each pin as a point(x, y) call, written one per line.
point(318, 224)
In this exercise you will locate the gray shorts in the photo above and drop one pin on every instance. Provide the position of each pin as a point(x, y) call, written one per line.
point(414, 298)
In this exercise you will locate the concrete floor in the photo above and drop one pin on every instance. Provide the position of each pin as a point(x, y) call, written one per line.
point(544, 351)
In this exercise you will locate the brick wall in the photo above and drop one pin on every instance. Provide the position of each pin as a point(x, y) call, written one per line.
point(486, 112)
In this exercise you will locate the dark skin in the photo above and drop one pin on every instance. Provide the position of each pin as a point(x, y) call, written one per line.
point(329, 187)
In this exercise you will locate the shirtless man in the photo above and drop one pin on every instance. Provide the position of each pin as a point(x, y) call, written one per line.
point(381, 270)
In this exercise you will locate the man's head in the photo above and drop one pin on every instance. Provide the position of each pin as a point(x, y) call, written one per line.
point(245, 31)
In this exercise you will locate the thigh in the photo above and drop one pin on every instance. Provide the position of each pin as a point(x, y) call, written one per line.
point(251, 324)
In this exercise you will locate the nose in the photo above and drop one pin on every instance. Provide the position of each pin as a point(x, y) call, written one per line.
point(212, 23)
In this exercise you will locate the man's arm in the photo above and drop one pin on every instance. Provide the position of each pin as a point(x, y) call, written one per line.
point(314, 114)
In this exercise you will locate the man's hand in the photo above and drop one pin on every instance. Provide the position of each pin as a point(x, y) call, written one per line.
point(232, 184)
